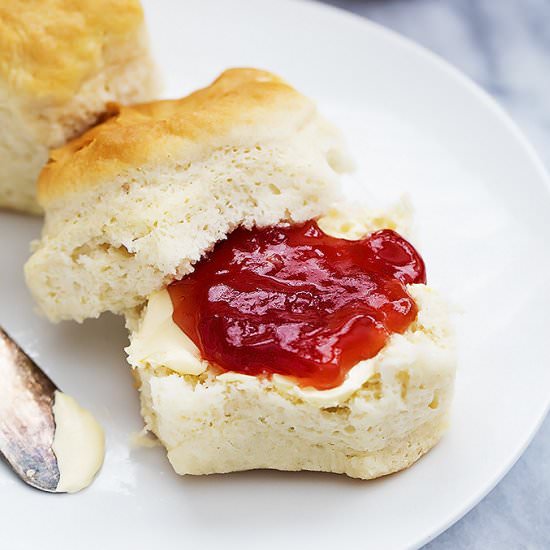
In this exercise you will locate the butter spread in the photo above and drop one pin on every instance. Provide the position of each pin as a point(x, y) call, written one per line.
point(159, 342)
point(79, 444)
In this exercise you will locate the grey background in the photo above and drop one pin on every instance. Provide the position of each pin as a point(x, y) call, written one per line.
point(504, 45)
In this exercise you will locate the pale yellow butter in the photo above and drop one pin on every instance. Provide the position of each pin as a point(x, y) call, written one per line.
point(159, 342)
point(79, 444)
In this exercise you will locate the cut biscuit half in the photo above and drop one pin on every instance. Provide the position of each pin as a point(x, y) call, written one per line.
point(137, 200)
point(388, 411)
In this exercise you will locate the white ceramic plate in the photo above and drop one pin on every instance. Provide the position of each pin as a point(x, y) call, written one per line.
point(482, 202)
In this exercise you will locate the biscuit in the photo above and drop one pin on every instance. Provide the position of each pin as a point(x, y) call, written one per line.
point(388, 412)
point(134, 202)
point(61, 63)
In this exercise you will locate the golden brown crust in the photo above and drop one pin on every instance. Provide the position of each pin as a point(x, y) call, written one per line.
point(144, 134)
point(48, 48)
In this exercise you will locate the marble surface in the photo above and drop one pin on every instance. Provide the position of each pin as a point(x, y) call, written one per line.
point(504, 45)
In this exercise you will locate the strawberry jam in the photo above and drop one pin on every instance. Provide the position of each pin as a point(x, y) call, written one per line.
point(295, 301)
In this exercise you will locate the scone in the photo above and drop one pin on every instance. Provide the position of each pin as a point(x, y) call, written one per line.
point(386, 411)
point(267, 329)
point(61, 63)
point(136, 200)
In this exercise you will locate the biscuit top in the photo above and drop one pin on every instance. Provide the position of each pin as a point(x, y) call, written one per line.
point(242, 107)
point(48, 48)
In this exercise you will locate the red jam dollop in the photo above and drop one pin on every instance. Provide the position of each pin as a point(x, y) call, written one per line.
point(295, 301)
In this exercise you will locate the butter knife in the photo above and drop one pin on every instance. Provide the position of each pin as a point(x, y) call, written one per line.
point(49, 441)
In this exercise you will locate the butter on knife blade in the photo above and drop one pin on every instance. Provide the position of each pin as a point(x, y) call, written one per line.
point(50, 442)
